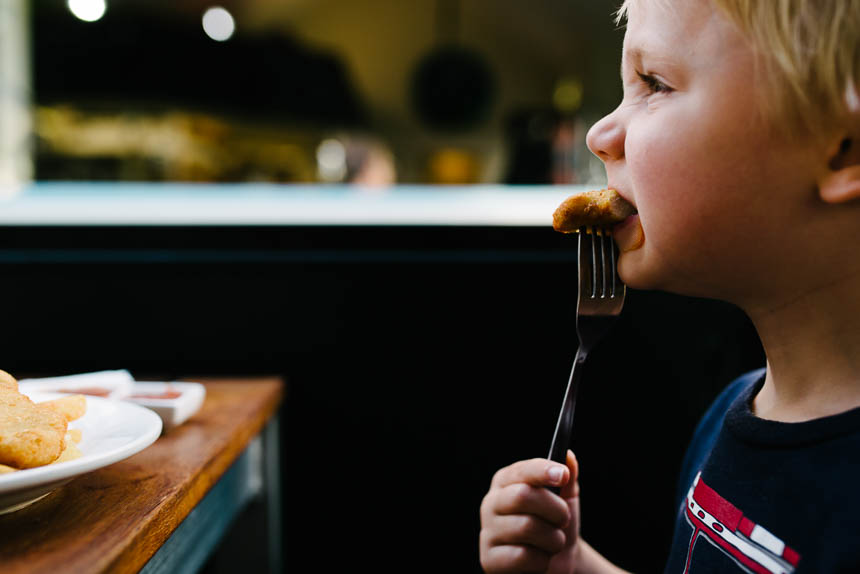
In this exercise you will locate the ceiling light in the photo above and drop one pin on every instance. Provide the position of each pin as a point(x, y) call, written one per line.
point(331, 160)
point(87, 10)
point(218, 24)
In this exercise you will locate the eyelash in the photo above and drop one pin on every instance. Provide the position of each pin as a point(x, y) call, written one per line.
point(654, 85)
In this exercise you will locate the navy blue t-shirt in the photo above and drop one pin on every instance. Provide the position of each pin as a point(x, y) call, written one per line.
point(765, 496)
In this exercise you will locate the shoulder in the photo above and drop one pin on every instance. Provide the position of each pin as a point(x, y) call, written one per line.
point(710, 424)
point(717, 411)
point(712, 420)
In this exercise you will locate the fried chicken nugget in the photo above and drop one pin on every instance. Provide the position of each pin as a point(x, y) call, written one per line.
point(70, 452)
point(8, 381)
point(74, 435)
point(30, 434)
point(72, 407)
point(597, 208)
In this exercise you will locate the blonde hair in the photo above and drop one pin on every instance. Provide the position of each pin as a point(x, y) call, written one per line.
point(810, 50)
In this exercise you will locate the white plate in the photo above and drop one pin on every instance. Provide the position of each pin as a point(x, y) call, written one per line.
point(111, 431)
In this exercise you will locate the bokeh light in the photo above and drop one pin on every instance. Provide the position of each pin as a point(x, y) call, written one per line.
point(567, 96)
point(331, 160)
point(87, 10)
point(218, 24)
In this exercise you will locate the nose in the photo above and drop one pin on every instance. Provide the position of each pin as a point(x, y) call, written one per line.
point(605, 139)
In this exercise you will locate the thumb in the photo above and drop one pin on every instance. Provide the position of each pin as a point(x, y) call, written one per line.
point(570, 494)
point(571, 487)
point(566, 560)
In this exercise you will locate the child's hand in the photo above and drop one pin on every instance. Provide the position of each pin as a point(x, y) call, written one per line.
point(524, 526)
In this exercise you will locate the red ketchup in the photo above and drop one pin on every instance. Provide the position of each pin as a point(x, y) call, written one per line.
point(92, 391)
point(165, 395)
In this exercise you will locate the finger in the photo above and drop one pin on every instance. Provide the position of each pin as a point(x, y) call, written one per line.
point(510, 559)
point(523, 529)
point(524, 499)
point(535, 471)
point(571, 487)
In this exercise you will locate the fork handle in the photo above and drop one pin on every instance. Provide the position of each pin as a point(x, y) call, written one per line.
point(564, 426)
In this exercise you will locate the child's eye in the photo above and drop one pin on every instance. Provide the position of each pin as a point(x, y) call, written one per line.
point(654, 85)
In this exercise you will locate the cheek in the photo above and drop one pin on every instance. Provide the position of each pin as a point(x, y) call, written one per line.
point(691, 170)
point(665, 175)
point(690, 184)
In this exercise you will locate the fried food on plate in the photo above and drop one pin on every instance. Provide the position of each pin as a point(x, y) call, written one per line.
point(36, 434)
point(30, 434)
point(71, 408)
point(8, 381)
point(70, 452)
point(74, 435)
point(595, 208)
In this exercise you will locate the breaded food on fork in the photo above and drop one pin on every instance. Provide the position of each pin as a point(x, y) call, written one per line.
point(30, 434)
point(596, 208)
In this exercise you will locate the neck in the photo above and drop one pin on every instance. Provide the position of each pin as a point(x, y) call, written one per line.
point(812, 342)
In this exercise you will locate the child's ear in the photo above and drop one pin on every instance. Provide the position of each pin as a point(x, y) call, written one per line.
point(841, 183)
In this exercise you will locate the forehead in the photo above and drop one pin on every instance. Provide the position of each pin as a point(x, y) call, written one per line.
point(666, 19)
point(675, 30)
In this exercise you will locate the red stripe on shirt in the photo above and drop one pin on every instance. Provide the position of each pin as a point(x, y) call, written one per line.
point(716, 505)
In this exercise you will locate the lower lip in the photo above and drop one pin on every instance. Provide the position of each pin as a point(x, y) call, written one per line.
point(631, 220)
point(629, 234)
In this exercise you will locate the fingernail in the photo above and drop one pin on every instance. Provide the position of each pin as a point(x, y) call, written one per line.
point(555, 473)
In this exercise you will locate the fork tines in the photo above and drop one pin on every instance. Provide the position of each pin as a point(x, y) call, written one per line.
point(600, 276)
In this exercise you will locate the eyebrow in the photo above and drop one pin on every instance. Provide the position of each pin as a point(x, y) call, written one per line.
point(640, 53)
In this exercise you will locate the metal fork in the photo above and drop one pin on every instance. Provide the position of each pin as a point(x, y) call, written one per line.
point(600, 298)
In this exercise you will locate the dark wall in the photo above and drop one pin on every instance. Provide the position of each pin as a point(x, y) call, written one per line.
point(157, 56)
point(419, 360)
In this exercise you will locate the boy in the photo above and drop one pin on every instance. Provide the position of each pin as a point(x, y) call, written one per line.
point(738, 140)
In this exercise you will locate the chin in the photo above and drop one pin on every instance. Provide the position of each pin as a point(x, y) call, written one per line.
point(639, 271)
point(636, 272)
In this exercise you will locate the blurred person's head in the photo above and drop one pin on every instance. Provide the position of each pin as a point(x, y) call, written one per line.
point(369, 163)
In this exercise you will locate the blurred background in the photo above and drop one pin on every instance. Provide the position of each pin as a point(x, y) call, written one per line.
point(420, 358)
point(302, 91)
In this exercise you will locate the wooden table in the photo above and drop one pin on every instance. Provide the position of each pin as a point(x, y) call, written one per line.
point(165, 508)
